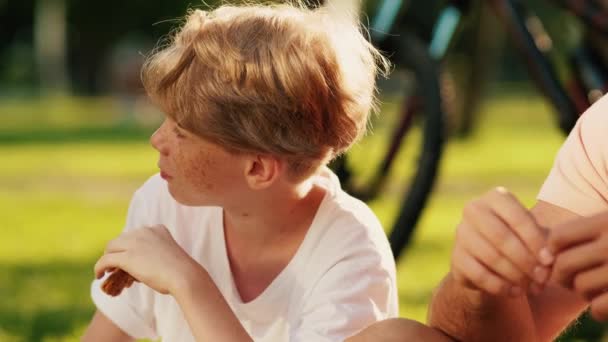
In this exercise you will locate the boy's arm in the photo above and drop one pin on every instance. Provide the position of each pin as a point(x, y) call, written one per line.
point(471, 315)
point(102, 329)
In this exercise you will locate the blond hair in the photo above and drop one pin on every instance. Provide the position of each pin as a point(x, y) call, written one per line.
point(275, 79)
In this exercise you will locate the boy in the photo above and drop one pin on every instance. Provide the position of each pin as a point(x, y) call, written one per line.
point(245, 234)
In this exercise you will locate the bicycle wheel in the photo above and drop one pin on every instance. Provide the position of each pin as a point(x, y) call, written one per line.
point(467, 67)
point(394, 169)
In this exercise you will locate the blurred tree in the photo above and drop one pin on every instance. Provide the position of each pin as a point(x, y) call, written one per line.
point(16, 62)
point(94, 29)
point(87, 40)
point(50, 44)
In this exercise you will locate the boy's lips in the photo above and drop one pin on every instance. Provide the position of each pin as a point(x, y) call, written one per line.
point(164, 175)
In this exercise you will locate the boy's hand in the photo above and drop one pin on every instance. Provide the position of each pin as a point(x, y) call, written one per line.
point(499, 247)
point(581, 264)
point(149, 254)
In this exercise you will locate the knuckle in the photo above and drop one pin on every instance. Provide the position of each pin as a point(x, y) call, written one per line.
point(493, 285)
point(506, 242)
point(556, 236)
point(517, 276)
point(457, 275)
point(562, 269)
point(578, 284)
point(492, 257)
point(482, 279)
point(526, 262)
point(563, 265)
point(505, 267)
point(522, 221)
point(602, 244)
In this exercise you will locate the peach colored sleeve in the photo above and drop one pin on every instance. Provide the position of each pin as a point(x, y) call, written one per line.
point(578, 180)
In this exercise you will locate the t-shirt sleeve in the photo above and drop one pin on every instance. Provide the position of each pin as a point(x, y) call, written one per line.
point(133, 310)
point(356, 292)
point(578, 180)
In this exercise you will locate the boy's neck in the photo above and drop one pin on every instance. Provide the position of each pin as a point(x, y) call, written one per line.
point(273, 215)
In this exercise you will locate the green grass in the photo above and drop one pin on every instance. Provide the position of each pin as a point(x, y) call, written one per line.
point(63, 199)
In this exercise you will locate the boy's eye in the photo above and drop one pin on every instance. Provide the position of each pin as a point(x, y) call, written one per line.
point(178, 132)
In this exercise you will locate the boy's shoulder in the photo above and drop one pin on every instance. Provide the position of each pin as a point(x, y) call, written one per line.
point(344, 210)
point(353, 222)
point(349, 226)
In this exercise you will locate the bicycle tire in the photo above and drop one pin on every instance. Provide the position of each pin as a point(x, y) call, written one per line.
point(414, 54)
point(411, 54)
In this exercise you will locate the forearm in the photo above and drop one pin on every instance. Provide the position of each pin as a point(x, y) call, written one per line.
point(207, 312)
point(469, 315)
point(102, 329)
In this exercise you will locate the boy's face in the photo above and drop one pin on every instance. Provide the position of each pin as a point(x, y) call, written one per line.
point(197, 171)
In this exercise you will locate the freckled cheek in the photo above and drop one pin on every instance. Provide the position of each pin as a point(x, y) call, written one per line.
point(195, 171)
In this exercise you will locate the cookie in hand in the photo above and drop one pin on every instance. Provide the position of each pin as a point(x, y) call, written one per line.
point(116, 282)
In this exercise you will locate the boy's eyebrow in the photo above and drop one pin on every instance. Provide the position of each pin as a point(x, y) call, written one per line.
point(178, 125)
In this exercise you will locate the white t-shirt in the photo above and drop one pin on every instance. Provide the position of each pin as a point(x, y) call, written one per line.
point(341, 279)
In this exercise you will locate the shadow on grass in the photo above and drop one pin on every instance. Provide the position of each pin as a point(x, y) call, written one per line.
point(77, 134)
point(45, 300)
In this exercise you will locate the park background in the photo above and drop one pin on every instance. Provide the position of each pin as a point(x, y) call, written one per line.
point(73, 148)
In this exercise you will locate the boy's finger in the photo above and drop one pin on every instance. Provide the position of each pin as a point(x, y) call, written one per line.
point(107, 262)
point(118, 244)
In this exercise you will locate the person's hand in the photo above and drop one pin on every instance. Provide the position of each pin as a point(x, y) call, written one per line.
point(150, 255)
point(499, 248)
point(581, 264)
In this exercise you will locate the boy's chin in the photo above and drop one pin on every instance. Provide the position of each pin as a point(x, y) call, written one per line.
point(186, 200)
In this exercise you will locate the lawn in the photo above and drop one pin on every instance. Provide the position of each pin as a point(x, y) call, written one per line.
point(64, 194)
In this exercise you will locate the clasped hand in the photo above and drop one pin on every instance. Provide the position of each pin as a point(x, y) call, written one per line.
point(500, 249)
point(150, 255)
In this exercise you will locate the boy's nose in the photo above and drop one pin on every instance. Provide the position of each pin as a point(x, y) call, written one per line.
point(158, 139)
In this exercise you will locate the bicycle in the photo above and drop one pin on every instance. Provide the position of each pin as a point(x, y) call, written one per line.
point(419, 48)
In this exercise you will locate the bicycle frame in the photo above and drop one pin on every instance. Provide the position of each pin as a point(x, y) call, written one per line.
point(513, 16)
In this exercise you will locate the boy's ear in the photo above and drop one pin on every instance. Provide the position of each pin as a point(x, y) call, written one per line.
point(261, 171)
